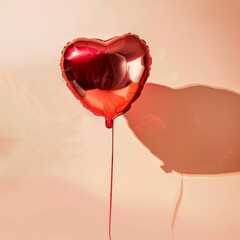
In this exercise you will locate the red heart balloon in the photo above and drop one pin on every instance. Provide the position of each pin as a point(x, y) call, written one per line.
point(106, 76)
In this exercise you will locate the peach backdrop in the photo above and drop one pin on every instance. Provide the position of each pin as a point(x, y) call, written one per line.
point(55, 155)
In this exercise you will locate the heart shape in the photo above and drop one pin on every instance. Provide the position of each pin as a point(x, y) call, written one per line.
point(106, 76)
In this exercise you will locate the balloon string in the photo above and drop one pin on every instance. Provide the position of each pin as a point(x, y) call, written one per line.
point(111, 189)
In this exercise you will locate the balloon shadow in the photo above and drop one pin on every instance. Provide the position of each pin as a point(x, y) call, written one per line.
point(193, 130)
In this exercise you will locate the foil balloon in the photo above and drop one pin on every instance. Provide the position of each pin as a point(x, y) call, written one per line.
point(107, 76)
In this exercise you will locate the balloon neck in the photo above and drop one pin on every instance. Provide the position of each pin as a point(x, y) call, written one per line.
point(109, 123)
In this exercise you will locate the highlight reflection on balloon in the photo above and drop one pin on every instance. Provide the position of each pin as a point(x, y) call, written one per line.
point(106, 76)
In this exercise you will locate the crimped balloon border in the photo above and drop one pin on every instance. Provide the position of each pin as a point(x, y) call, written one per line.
point(105, 43)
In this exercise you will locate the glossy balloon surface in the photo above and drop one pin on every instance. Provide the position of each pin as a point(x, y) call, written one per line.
point(106, 76)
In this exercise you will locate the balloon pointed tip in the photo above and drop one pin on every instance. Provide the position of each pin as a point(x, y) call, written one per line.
point(109, 123)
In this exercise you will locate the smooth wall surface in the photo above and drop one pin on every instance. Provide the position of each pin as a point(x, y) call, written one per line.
point(55, 155)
